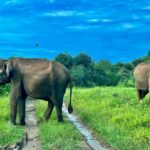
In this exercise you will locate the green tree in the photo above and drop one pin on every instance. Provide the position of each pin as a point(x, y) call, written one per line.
point(105, 73)
point(65, 59)
point(85, 72)
point(83, 59)
point(81, 76)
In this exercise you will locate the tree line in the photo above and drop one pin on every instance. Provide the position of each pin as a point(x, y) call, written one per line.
point(86, 73)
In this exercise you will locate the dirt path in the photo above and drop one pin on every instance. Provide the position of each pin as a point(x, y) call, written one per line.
point(33, 142)
point(90, 140)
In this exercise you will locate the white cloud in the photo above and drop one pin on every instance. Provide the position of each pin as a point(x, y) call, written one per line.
point(51, 1)
point(95, 20)
point(147, 17)
point(128, 25)
point(80, 27)
point(135, 17)
point(146, 7)
point(9, 2)
point(107, 20)
point(63, 13)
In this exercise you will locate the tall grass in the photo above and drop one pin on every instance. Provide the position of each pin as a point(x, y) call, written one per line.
point(9, 134)
point(115, 115)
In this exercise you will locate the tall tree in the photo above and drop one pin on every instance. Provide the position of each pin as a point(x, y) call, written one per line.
point(83, 59)
point(66, 59)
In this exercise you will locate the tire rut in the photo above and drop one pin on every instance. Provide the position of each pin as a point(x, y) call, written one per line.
point(90, 140)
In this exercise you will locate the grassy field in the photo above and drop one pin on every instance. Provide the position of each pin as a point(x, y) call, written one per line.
point(8, 134)
point(115, 116)
point(57, 136)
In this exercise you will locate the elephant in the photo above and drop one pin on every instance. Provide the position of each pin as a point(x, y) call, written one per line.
point(142, 79)
point(35, 78)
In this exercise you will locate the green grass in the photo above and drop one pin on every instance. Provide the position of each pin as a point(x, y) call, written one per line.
point(57, 136)
point(115, 116)
point(8, 134)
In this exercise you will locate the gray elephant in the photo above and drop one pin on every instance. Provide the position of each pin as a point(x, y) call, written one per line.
point(142, 79)
point(37, 78)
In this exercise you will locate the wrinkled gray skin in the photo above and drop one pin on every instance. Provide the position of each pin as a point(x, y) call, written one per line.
point(37, 78)
point(142, 79)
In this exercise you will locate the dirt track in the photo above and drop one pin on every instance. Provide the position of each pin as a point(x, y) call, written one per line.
point(33, 142)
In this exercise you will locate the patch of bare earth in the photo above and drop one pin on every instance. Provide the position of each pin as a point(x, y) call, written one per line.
point(33, 142)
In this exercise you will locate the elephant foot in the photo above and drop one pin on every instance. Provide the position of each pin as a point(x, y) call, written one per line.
point(60, 119)
point(22, 123)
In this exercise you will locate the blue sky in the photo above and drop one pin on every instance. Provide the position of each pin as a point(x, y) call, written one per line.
point(104, 29)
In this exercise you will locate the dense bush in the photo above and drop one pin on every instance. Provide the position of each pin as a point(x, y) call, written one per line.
point(85, 72)
point(82, 76)
point(65, 59)
point(105, 74)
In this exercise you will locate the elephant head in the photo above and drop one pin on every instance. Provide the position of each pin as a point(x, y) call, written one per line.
point(5, 70)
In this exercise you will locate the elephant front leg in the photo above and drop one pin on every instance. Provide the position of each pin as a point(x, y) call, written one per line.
point(13, 110)
point(15, 96)
point(21, 111)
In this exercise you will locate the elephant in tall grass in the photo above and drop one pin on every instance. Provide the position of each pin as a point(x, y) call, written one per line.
point(36, 78)
point(142, 79)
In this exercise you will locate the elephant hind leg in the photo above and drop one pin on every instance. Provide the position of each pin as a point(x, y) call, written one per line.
point(138, 94)
point(49, 110)
point(58, 100)
point(59, 113)
point(145, 92)
point(142, 93)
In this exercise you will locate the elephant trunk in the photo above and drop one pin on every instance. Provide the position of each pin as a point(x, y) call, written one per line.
point(70, 108)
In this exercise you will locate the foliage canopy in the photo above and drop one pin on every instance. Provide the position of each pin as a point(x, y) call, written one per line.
point(86, 72)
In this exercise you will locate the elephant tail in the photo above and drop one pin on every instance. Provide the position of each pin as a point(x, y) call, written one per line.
point(70, 108)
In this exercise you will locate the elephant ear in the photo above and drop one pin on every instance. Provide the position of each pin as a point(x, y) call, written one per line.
point(8, 67)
